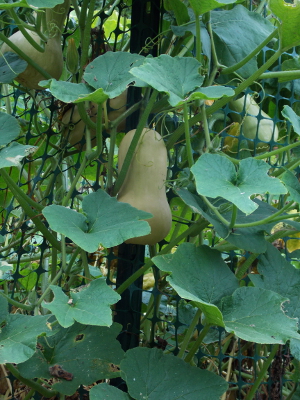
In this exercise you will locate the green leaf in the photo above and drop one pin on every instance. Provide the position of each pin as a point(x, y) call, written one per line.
point(291, 64)
point(191, 27)
point(251, 239)
point(31, 3)
point(106, 222)
point(280, 276)
point(292, 184)
point(203, 6)
point(74, 92)
point(255, 314)
point(216, 176)
point(107, 392)
point(110, 72)
point(179, 9)
point(3, 311)
point(294, 119)
point(89, 353)
point(237, 33)
point(81, 306)
point(211, 93)
point(10, 128)
point(199, 274)
point(289, 14)
point(11, 65)
point(12, 155)
point(176, 76)
point(19, 335)
point(149, 373)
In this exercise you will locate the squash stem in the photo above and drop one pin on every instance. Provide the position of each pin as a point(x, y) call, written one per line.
point(262, 373)
point(26, 205)
point(99, 138)
point(233, 216)
point(189, 149)
point(197, 344)
point(74, 183)
point(110, 161)
point(127, 161)
point(198, 37)
point(215, 211)
point(17, 304)
point(188, 334)
point(26, 35)
point(241, 63)
point(85, 22)
point(32, 384)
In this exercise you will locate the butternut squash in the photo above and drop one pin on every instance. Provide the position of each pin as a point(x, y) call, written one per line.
point(76, 127)
point(51, 60)
point(144, 185)
point(264, 127)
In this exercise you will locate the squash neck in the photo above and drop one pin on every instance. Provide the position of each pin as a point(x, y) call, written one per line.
point(55, 18)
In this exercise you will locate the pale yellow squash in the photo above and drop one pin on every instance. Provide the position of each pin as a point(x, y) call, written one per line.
point(144, 185)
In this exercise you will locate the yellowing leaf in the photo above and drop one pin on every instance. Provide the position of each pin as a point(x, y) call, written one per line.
point(293, 244)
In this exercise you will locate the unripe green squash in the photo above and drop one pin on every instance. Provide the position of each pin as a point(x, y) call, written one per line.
point(144, 185)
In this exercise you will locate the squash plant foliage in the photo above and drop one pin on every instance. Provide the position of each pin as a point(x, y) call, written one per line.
point(231, 185)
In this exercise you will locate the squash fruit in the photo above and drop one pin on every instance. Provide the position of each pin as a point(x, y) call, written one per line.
point(144, 185)
point(51, 60)
point(265, 128)
point(76, 130)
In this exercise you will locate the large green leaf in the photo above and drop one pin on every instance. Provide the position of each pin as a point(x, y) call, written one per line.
point(179, 9)
point(199, 274)
point(252, 238)
point(107, 392)
point(237, 33)
point(74, 92)
point(10, 128)
point(110, 72)
point(106, 221)
point(11, 65)
point(89, 353)
point(81, 306)
point(280, 276)
point(288, 113)
point(292, 184)
point(255, 314)
point(149, 373)
point(12, 155)
point(176, 76)
point(289, 14)
point(3, 310)
point(216, 176)
point(19, 335)
point(203, 6)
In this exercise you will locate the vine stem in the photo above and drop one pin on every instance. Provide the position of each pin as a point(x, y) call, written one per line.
point(139, 130)
point(25, 204)
point(188, 334)
point(233, 216)
point(189, 149)
point(16, 303)
point(34, 385)
point(262, 373)
point(198, 37)
point(197, 344)
point(74, 183)
point(215, 211)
